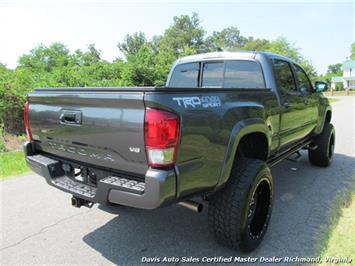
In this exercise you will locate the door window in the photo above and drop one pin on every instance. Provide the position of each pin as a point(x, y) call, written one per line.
point(284, 77)
point(304, 85)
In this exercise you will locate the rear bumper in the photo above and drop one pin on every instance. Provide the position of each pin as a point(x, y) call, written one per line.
point(159, 187)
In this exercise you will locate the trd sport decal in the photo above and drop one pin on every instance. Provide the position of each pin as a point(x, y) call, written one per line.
point(195, 101)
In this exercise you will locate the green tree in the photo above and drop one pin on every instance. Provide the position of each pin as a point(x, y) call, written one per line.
point(229, 38)
point(256, 44)
point(283, 47)
point(140, 68)
point(132, 44)
point(185, 33)
point(335, 70)
point(91, 56)
point(43, 58)
point(352, 56)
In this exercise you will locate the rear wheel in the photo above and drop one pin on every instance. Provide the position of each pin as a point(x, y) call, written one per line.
point(325, 143)
point(239, 214)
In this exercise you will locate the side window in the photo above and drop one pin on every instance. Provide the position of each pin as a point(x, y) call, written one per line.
point(284, 77)
point(185, 76)
point(243, 74)
point(304, 84)
point(213, 74)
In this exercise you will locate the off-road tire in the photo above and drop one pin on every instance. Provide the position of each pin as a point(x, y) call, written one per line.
point(230, 207)
point(325, 142)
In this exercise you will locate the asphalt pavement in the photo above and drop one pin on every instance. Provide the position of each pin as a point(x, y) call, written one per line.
point(39, 226)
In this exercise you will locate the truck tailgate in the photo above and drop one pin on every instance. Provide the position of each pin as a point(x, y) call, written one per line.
point(96, 127)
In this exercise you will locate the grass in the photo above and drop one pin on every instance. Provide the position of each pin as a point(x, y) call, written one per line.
point(333, 100)
point(340, 93)
point(341, 239)
point(12, 163)
point(338, 236)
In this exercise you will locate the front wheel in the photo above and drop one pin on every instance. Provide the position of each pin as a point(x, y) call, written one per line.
point(325, 143)
point(239, 214)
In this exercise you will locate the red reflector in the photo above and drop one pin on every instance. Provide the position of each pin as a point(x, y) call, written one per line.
point(161, 135)
point(27, 121)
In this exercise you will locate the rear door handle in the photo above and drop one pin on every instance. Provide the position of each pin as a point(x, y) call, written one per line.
point(70, 117)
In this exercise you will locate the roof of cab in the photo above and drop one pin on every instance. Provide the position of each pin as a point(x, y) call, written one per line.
point(227, 55)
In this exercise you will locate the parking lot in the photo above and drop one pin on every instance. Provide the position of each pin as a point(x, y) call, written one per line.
point(39, 225)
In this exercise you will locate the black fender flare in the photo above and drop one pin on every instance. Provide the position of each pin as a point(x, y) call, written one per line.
point(241, 129)
point(323, 116)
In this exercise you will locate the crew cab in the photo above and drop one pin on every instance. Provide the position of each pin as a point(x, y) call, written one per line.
point(213, 132)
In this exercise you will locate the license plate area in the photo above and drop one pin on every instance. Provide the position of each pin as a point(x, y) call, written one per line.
point(85, 175)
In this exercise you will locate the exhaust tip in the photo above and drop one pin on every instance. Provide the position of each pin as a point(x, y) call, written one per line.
point(191, 205)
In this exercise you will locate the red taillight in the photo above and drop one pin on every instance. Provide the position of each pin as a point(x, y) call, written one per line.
point(27, 121)
point(161, 135)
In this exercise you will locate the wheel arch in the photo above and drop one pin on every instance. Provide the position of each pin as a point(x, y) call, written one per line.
point(328, 116)
point(325, 117)
point(244, 132)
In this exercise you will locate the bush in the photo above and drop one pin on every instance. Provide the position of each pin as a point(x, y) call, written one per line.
point(2, 146)
point(12, 99)
point(339, 87)
point(2, 140)
point(12, 109)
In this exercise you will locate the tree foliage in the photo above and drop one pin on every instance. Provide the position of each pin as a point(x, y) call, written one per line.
point(335, 69)
point(185, 34)
point(132, 43)
point(145, 63)
point(227, 39)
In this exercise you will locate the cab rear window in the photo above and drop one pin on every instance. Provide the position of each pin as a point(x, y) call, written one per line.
point(212, 76)
point(218, 74)
point(185, 76)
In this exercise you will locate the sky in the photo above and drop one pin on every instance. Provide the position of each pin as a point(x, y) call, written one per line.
point(322, 30)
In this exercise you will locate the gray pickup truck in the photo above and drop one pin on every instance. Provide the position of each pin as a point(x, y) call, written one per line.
point(212, 133)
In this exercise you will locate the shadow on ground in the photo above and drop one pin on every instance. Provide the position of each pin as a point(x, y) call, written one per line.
point(304, 196)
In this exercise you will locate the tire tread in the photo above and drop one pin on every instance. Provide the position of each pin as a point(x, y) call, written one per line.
point(226, 207)
point(319, 156)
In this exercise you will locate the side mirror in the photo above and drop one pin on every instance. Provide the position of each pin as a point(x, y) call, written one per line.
point(321, 86)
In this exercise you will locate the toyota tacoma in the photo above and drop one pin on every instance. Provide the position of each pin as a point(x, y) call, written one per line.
point(211, 133)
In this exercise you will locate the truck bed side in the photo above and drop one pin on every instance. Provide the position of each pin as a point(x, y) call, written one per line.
point(210, 123)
